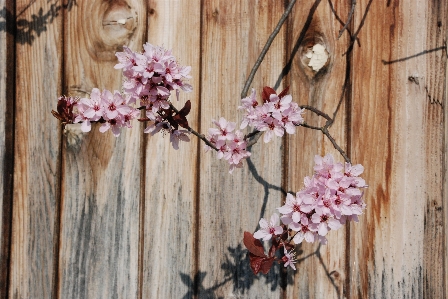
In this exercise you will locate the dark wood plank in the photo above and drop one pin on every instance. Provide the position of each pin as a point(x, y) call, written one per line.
point(171, 175)
point(398, 130)
point(37, 150)
point(99, 249)
point(7, 95)
point(229, 204)
point(322, 269)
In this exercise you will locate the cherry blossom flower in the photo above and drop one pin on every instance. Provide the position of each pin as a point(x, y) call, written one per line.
point(269, 229)
point(289, 258)
point(178, 135)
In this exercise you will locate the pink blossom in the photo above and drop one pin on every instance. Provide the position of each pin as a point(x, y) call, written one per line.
point(269, 229)
point(224, 130)
point(289, 258)
point(178, 135)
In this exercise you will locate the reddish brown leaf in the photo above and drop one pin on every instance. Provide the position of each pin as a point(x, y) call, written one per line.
point(266, 265)
point(253, 245)
point(284, 92)
point(186, 109)
point(267, 91)
point(275, 245)
point(255, 263)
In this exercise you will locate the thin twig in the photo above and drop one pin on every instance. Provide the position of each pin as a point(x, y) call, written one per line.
point(336, 146)
point(349, 19)
point(200, 136)
point(317, 111)
point(266, 48)
point(255, 139)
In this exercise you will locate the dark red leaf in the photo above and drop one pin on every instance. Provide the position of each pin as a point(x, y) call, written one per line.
point(266, 264)
point(258, 263)
point(255, 263)
point(267, 91)
point(181, 120)
point(253, 245)
point(284, 92)
point(186, 109)
point(180, 117)
point(275, 245)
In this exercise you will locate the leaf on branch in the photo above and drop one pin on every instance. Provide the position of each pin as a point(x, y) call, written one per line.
point(275, 245)
point(267, 91)
point(253, 245)
point(180, 117)
point(284, 92)
point(259, 261)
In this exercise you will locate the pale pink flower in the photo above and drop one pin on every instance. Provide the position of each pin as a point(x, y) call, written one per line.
point(268, 229)
point(305, 232)
point(178, 135)
point(224, 130)
point(289, 258)
point(294, 210)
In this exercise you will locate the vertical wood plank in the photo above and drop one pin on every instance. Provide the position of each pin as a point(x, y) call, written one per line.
point(232, 38)
point(7, 94)
point(171, 176)
point(37, 150)
point(398, 135)
point(98, 255)
point(321, 269)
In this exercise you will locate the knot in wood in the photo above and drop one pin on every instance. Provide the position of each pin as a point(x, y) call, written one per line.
point(118, 23)
point(315, 56)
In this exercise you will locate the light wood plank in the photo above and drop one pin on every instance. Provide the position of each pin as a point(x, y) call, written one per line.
point(37, 150)
point(398, 130)
point(171, 176)
point(101, 174)
point(232, 38)
point(7, 93)
point(322, 270)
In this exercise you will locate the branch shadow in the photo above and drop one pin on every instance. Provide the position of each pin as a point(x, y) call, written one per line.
point(26, 31)
point(413, 56)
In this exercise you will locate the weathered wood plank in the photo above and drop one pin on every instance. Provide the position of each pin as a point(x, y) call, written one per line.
point(7, 93)
point(398, 134)
point(321, 271)
point(37, 150)
point(101, 174)
point(232, 38)
point(171, 176)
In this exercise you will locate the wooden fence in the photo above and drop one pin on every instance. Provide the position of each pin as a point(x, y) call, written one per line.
point(94, 216)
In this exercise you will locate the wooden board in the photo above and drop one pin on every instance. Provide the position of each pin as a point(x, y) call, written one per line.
point(170, 188)
point(37, 150)
point(99, 240)
point(398, 135)
point(229, 204)
point(7, 93)
point(322, 269)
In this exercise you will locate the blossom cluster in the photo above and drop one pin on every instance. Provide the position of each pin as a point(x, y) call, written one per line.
point(330, 198)
point(231, 145)
point(277, 115)
point(149, 79)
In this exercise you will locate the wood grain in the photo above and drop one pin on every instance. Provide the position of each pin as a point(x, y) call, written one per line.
point(171, 175)
point(229, 204)
point(98, 255)
point(37, 150)
point(398, 135)
point(7, 93)
point(321, 270)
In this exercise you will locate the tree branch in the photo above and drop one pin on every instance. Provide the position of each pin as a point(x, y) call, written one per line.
point(349, 19)
point(266, 48)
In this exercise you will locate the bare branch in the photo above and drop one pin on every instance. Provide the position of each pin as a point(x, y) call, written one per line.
point(266, 48)
point(349, 18)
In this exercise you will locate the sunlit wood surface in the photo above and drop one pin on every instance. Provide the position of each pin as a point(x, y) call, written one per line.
point(94, 216)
